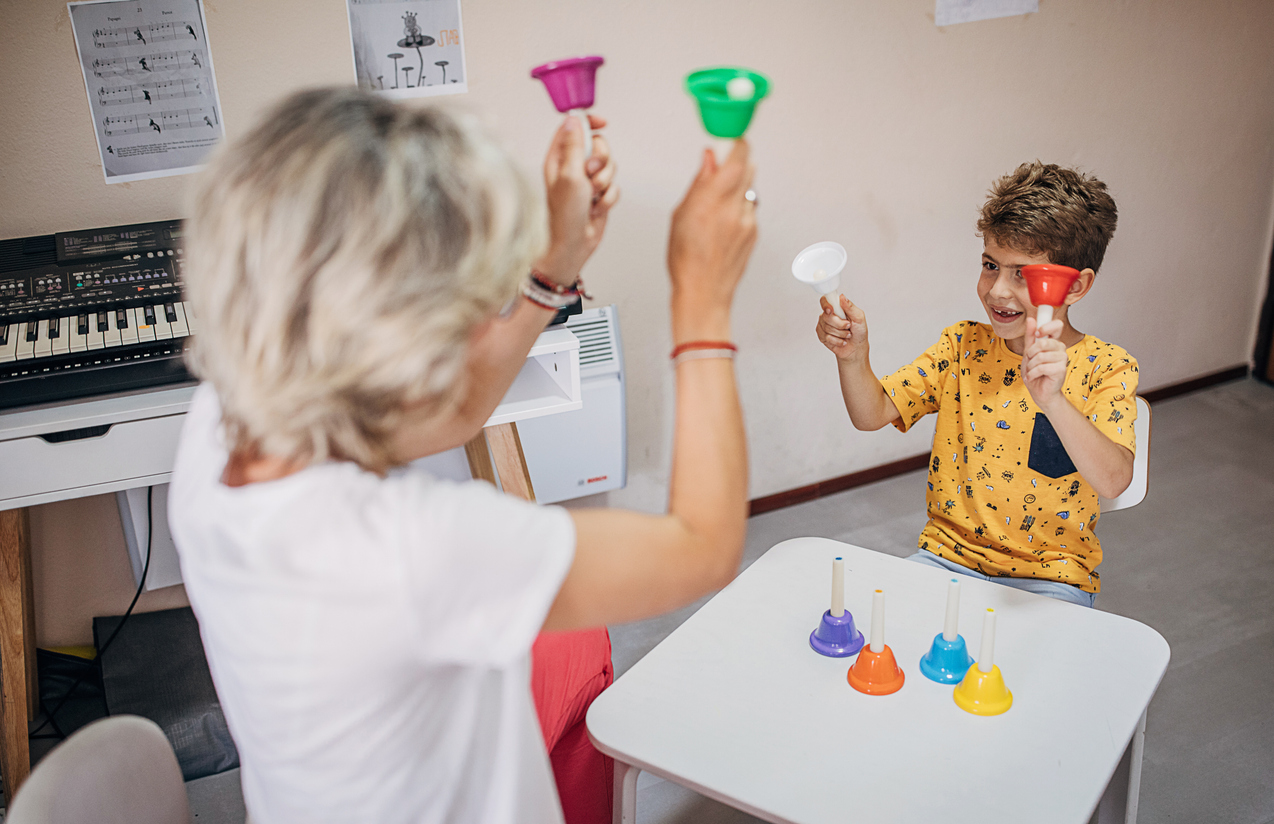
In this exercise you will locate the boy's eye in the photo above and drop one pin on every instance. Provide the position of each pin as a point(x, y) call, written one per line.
point(989, 266)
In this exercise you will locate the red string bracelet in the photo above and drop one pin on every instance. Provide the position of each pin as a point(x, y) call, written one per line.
point(703, 344)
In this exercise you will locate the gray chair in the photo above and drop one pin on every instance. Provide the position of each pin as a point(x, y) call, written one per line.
point(119, 770)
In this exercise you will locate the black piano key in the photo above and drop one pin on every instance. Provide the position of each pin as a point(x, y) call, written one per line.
point(121, 319)
point(82, 325)
point(102, 324)
point(4, 334)
point(55, 329)
point(150, 315)
point(170, 313)
point(33, 329)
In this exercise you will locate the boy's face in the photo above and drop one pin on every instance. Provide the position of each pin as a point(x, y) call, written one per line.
point(1002, 289)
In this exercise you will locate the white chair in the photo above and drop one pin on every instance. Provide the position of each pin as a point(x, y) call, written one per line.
point(119, 770)
point(1119, 804)
point(1136, 491)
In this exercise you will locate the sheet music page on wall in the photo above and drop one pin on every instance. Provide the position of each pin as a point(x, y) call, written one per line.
point(408, 48)
point(151, 89)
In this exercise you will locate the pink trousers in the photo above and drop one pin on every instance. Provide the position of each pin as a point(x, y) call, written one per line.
point(569, 670)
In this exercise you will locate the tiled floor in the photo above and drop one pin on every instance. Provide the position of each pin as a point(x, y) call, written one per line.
point(1195, 561)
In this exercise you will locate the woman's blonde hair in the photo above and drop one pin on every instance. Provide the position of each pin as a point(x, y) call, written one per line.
point(338, 257)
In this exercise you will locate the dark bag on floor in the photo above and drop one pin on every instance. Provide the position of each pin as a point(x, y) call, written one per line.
point(156, 668)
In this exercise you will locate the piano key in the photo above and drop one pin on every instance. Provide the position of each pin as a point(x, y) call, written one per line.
point(79, 334)
point(163, 329)
point(26, 346)
point(170, 313)
point(95, 337)
point(111, 336)
point(127, 329)
point(55, 327)
point(191, 320)
point(62, 343)
point(8, 342)
point(180, 328)
point(43, 344)
point(145, 329)
point(32, 333)
point(102, 324)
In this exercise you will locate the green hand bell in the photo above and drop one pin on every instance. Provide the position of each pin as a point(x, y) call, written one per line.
point(727, 97)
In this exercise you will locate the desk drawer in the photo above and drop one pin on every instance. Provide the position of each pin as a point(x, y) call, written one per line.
point(35, 470)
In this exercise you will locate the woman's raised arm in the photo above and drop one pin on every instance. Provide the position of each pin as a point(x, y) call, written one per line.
point(630, 565)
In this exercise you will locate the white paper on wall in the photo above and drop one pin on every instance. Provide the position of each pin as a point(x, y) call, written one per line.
point(408, 48)
point(948, 12)
point(151, 89)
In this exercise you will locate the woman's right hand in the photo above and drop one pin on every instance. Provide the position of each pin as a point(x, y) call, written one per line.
point(713, 232)
point(847, 339)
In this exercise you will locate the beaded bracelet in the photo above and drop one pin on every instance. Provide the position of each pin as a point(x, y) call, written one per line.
point(546, 298)
point(576, 288)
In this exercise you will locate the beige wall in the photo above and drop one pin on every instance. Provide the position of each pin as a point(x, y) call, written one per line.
point(883, 133)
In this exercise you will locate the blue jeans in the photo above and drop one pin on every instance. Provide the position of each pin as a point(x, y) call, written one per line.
point(1052, 589)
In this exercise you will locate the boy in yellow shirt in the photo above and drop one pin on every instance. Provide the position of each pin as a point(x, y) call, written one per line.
point(1033, 423)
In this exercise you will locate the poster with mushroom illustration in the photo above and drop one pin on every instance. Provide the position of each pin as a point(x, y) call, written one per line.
point(408, 48)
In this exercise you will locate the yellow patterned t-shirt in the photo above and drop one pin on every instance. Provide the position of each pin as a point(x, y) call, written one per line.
point(1004, 497)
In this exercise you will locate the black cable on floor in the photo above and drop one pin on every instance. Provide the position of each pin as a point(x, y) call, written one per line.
point(48, 715)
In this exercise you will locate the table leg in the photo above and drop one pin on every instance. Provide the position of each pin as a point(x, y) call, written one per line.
point(1118, 804)
point(1138, 748)
point(510, 461)
point(625, 793)
point(19, 690)
point(480, 459)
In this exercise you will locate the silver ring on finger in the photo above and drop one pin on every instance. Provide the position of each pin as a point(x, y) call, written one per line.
point(750, 197)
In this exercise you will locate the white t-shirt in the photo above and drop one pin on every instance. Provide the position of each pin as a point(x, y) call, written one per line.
point(370, 637)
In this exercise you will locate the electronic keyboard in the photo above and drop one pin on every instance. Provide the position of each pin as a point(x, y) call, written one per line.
point(92, 313)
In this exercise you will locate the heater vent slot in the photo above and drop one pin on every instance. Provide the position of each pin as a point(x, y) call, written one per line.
point(598, 348)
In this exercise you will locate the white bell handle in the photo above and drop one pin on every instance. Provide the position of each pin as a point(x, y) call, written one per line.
point(588, 131)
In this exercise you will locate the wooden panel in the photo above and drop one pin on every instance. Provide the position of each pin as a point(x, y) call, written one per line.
point(510, 462)
point(480, 459)
point(18, 687)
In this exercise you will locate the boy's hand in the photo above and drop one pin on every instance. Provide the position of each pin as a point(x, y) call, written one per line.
point(847, 339)
point(580, 196)
point(1044, 363)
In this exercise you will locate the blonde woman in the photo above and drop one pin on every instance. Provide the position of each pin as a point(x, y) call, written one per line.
point(369, 279)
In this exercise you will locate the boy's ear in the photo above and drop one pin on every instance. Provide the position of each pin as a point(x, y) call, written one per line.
point(1081, 286)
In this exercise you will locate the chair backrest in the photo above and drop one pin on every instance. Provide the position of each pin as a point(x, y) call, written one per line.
point(1136, 491)
point(119, 770)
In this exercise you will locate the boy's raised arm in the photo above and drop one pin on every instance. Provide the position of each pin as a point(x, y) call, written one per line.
point(1106, 465)
point(868, 405)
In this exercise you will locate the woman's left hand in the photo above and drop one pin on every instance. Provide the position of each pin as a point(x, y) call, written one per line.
point(581, 193)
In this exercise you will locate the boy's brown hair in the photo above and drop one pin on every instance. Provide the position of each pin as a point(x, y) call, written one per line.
point(1044, 209)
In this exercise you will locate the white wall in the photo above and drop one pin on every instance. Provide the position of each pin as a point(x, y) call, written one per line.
point(883, 132)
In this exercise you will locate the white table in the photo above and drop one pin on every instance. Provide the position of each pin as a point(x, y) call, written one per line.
point(736, 706)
